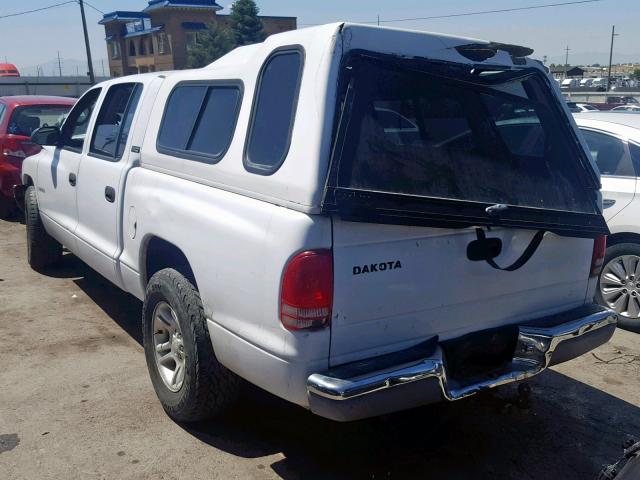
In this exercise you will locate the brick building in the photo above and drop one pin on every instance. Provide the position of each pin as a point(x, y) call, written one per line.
point(158, 37)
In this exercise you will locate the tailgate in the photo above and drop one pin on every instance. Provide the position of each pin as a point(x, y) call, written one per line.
point(396, 286)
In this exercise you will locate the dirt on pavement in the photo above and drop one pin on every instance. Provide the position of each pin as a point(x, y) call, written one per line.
point(76, 403)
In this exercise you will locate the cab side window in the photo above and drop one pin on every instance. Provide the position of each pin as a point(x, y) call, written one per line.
point(113, 124)
point(610, 154)
point(75, 127)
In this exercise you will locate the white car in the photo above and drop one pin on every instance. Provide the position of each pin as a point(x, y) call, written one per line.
point(359, 220)
point(585, 107)
point(586, 82)
point(626, 108)
point(581, 107)
point(614, 141)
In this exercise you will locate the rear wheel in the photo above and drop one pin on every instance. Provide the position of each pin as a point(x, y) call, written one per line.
point(42, 249)
point(619, 285)
point(188, 379)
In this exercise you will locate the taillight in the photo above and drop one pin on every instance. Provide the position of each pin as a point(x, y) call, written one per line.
point(18, 149)
point(599, 251)
point(306, 297)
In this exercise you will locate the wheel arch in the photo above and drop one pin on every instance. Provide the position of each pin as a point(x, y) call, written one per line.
point(622, 237)
point(158, 254)
point(27, 181)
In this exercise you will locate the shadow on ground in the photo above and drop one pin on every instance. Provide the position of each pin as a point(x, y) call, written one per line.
point(121, 307)
point(570, 431)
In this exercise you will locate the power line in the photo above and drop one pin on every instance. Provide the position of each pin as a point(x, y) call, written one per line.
point(37, 9)
point(95, 8)
point(468, 14)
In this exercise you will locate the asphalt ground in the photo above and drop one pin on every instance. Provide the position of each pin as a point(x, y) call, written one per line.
point(76, 402)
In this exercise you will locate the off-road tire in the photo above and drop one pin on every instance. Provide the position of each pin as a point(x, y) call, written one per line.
point(208, 388)
point(613, 252)
point(42, 249)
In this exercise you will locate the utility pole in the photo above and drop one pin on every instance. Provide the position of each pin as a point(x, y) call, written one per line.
point(613, 35)
point(378, 20)
point(566, 62)
point(92, 77)
point(59, 64)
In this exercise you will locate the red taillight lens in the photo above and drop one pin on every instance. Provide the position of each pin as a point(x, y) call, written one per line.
point(17, 149)
point(599, 251)
point(306, 297)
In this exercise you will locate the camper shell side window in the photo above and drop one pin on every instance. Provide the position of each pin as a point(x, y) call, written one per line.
point(274, 111)
point(200, 119)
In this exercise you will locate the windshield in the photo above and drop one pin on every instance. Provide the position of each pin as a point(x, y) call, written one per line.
point(26, 120)
point(415, 133)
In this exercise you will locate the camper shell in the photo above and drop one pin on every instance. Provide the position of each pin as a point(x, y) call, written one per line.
point(358, 246)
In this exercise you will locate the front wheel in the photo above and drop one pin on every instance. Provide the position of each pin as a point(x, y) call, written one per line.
point(619, 284)
point(188, 379)
point(42, 249)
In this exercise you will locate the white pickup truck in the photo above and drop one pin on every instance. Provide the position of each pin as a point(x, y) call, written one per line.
point(359, 220)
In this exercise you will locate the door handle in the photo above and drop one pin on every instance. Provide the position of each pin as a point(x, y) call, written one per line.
point(608, 202)
point(110, 194)
point(72, 179)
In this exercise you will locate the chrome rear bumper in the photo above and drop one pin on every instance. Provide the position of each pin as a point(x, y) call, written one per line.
point(374, 387)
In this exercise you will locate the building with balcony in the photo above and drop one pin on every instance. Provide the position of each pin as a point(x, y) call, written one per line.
point(158, 37)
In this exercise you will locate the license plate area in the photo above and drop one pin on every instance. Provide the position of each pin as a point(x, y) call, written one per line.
point(480, 355)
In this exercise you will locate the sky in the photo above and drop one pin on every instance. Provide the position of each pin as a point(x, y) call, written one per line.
point(35, 39)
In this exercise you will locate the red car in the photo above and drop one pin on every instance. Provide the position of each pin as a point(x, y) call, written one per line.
point(8, 70)
point(20, 116)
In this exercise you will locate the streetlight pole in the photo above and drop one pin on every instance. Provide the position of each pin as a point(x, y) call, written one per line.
point(613, 35)
point(92, 77)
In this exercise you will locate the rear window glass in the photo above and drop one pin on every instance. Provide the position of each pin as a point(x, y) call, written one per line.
point(26, 120)
point(432, 135)
point(635, 155)
point(609, 154)
point(200, 120)
point(113, 124)
point(274, 112)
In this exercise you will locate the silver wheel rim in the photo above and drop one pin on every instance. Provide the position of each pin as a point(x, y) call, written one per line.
point(169, 346)
point(620, 285)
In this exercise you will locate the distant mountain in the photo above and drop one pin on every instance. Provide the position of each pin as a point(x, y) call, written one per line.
point(70, 67)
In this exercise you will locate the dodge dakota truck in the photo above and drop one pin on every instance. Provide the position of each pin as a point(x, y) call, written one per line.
point(356, 219)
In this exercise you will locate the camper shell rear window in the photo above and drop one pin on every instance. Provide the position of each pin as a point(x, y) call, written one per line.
point(443, 144)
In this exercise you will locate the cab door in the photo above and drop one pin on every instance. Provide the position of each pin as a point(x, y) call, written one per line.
point(101, 177)
point(619, 181)
point(58, 172)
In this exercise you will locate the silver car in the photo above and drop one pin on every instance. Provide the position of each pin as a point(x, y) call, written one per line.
point(614, 141)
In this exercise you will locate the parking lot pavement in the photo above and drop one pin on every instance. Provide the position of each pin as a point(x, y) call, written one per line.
point(76, 402)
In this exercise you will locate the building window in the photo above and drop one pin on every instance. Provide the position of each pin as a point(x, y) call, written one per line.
point(150, 45)
point(132, 48)
point(192, 39)
point(163, 44)
point(115, 49)
point(143, 50)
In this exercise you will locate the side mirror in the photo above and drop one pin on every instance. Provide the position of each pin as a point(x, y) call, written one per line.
point(46, 136)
